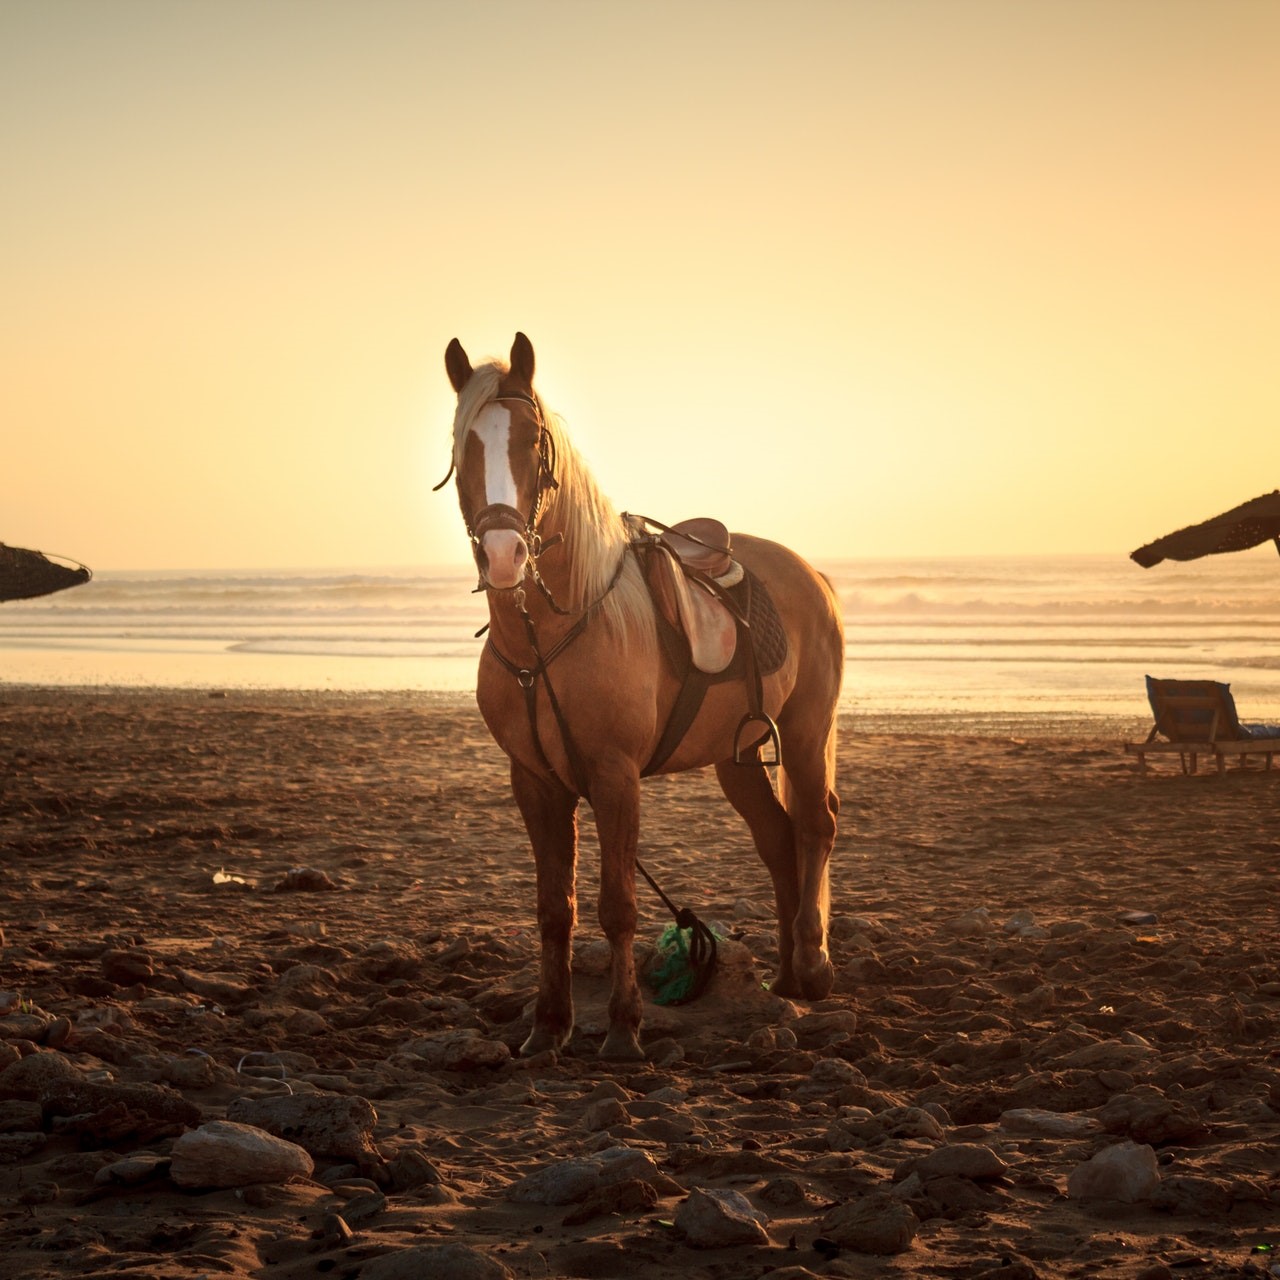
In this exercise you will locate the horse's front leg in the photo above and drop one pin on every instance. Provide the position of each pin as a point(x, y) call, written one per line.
point(615, 797)
point(550, 816)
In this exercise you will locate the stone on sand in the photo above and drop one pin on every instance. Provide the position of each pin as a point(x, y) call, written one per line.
point(464, 1050)
point(572, 1181)
point(1049, 1124)
point(1126, 1172)
point(435, 1262)
point(321, 1124)
point(972, 1160)
point(878, 1223)
point(225, 1154)
point(718, 1218)
point(29, 1077)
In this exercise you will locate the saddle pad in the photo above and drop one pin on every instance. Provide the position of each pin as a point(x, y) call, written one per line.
point(767, 632)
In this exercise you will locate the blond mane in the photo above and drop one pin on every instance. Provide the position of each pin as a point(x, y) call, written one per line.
point(595, 535)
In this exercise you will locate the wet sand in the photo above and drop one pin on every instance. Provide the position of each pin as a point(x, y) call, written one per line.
point(215, 903)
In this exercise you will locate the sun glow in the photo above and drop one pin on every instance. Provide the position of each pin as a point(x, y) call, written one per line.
point(870, 279)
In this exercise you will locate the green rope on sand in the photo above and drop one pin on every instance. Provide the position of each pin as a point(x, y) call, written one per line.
point(674, 977)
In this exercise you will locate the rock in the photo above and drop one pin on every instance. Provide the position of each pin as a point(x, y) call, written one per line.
point(817, 1030)
point(18, 1146)
point(632, 1196)
point(572, 1181)
point(1193, 1196)
point(305, 880)
point(1038, 1000)
point(1019, 921)
point(410, 1169)
point(336, 1234)
point(971, 1160)
point(604, 1114)
point(1150, 1118)
point(784, 1192)
point(1126, 1172)
point(20, 1116)
point(225, 1154)
point(58, 1033)
point(909, 1122)
point(130, 1171)
point(109, 1112)
point(40, 1192)
point(972, 924)
point(24, 1026)
point(1109, 1055)
point(834, 1073)
point(220, 988)
point(364, 1207)
point(28, 1077)
point(322, 1124)
point(125, 967)
point(1138, 917)
point(435, 1262)
point(714, 1218)
point(878, 1223)
point(465, 1050)
point(1048, 1124)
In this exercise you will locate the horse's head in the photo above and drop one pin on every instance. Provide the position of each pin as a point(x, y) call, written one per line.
point(503, 455)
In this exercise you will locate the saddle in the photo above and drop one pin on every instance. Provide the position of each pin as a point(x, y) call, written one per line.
point(712, 609)
point(687, 563)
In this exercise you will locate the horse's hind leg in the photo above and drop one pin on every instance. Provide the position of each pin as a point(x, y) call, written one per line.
point(748, 789)
point(550, 816)
point(808, 777)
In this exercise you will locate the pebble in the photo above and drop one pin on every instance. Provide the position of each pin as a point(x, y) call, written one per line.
point(364, 1207)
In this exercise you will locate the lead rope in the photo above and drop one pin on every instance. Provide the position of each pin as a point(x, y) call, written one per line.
point(701, 949)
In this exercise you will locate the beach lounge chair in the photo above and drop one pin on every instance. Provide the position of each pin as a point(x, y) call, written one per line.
point(1198, 717)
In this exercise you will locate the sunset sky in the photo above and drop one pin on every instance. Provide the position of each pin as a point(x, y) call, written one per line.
point(871, 277)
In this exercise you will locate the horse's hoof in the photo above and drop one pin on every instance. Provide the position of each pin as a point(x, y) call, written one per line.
point(785, 988)
point(542, 1041)
point(817, 984)
point(621, 1046)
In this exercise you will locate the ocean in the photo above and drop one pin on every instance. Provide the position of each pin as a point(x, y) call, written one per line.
point(980, 643)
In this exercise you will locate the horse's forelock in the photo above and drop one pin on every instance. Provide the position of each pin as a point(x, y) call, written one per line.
point(481, 387)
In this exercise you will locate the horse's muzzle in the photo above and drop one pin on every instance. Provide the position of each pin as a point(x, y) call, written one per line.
point(502, 556)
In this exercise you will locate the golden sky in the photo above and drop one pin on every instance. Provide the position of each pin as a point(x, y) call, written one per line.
point(870, 277)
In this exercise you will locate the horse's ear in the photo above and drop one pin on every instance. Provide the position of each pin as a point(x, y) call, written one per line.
point(522, 360)
point(457, 365)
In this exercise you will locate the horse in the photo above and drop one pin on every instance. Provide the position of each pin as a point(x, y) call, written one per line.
point(576, 686)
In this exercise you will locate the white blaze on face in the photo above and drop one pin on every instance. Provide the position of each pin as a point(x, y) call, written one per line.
point(504, 550)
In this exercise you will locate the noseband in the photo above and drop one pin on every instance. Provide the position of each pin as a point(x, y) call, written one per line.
point(498, 515)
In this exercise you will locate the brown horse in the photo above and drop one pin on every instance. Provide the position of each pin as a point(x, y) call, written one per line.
point(577, 689)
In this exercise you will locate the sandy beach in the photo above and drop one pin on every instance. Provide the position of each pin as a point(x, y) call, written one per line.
point(312, 916)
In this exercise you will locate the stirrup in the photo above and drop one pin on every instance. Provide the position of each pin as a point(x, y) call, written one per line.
point(771, 735)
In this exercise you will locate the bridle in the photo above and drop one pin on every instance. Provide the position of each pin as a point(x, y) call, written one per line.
point(499, 515)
